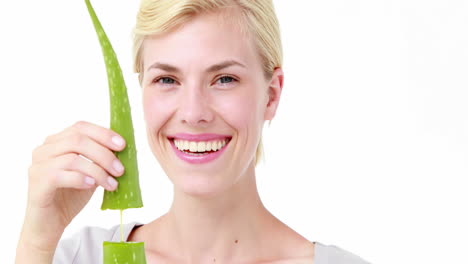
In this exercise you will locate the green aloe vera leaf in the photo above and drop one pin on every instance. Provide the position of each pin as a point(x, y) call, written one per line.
point(128, 193)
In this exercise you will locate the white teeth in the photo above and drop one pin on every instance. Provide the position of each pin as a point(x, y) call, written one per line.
point(193, 146)
point(200, 146)
point(214, 145)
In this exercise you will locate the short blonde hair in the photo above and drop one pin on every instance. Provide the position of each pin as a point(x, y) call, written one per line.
point(256, 18)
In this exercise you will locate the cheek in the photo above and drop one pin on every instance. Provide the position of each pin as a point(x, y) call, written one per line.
point(241, 110)
point(156, 109)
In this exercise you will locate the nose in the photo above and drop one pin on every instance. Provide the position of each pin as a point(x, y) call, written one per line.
point(194, 109)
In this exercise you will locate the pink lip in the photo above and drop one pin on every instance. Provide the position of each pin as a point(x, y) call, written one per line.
point(198, 159)
point(198, 137)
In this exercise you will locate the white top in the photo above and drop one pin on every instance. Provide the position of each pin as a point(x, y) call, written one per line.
point(85, 247)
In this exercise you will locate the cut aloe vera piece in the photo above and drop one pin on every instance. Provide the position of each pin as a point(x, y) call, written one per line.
point(128, 193)
point(124, 253)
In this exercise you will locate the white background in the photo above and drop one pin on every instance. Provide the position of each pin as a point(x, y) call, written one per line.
point(368, 150)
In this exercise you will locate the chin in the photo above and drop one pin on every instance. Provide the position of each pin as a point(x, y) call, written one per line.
point(202, 186)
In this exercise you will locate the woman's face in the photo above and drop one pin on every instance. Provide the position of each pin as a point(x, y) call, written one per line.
point(206, 78)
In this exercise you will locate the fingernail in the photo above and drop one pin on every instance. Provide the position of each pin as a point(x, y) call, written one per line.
point(117, 166)
point(112, 182)
point(89, 180)
point(118, 141)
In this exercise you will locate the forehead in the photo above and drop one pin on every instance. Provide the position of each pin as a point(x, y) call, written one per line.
point(205, 39)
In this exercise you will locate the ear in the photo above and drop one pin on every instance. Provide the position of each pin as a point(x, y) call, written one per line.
point(275, 88)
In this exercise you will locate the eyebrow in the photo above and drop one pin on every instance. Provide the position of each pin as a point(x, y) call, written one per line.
point(213, 68)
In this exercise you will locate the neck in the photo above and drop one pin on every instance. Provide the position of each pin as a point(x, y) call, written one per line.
point(220, 228)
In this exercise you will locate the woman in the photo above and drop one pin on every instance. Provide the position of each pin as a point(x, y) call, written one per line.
point(211, 75)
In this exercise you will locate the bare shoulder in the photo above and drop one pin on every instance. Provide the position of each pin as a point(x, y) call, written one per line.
point(291, 248)
point(293, 261)
point(306, 256)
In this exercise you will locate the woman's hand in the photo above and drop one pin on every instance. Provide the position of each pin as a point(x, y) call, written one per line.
point(65, 171)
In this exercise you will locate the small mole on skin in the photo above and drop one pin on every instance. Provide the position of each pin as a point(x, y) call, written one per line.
point(236, 241)
point(214, 260)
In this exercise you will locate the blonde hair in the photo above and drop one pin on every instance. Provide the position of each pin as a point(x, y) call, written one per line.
point(256, 18)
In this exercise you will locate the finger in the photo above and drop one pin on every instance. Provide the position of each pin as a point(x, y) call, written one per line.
point(74, 162)
point(83, 145)
point(74, 179)
point(47, 176)
point(103, 136)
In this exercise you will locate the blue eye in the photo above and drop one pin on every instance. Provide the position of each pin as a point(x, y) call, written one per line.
point(171, 81)
point(226, 78)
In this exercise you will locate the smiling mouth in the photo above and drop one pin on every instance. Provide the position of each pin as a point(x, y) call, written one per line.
point(199, 148)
